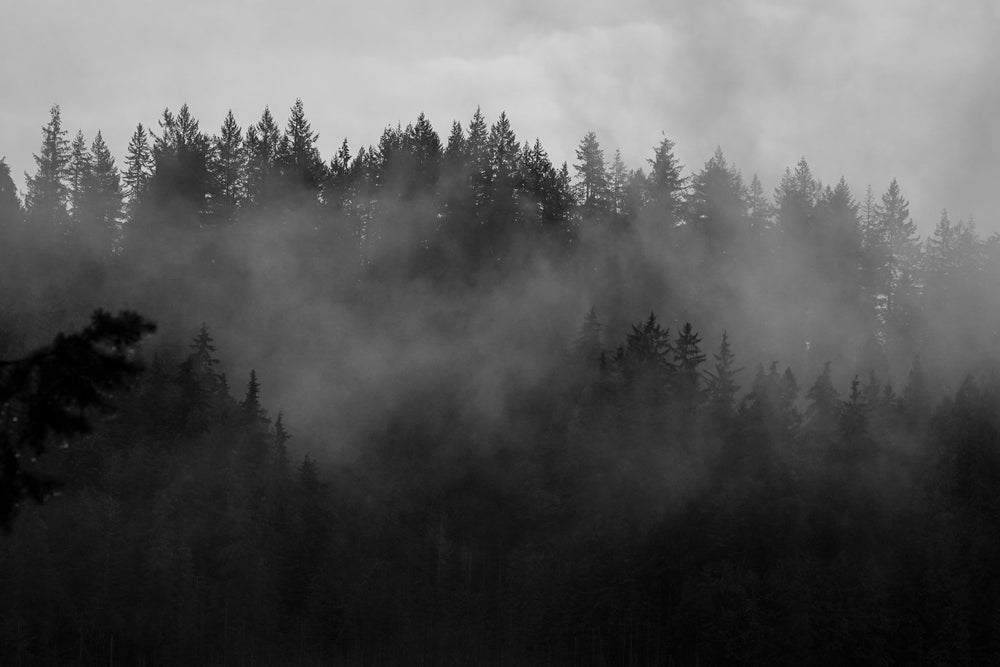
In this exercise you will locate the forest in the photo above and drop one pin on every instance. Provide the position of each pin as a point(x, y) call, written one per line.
point(439, 400)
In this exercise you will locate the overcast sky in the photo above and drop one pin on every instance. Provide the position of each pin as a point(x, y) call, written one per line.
point(867, 89)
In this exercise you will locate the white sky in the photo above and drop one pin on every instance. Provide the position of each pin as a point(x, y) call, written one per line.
point(868, 89)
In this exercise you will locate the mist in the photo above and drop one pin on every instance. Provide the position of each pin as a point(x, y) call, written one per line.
point(587, 412)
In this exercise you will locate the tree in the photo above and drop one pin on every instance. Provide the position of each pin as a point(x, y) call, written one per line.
point(263, 142)
point(721, 386)
point(102, 203)
point(687, 358)
point(297, 155)
point(666, 187)
point(253, 412)
point(823, 411)
point(796, 197)
point(181, 190)
point(47, 191)
point(54, 391)
point(10, 205)
point(759, 208)
point(79, 174)
point(229, 169)
point(593, 190)
point(717, 207)
point(138, 169)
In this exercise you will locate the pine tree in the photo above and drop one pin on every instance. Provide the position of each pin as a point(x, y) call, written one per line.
point(721, 386)
point(182, 189)
point(593, 191)
point(297, 153)
point(78, 176)
point(102, 204)
point(263, 142)
point(618, 178)
point(281, 436)
point(10, 205)
point(759, 209)
point(797, 195)
point(229, 169)
point(687, 358)
point(47, 193)
point(588, 347)
point(252, 410)
point(823, 410)
point(666, 187)
point(138, 170)
point(716, 206)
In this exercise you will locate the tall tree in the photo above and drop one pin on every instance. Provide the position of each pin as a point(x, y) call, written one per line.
point(10, 204)
point(101, 207)
point(47, 192)
point(78, 178)
point(262, 146)
point(716, 206)
point(593, 190)
point(666, 187)
point(138, 169)
point(229, 169)
point(298, 155)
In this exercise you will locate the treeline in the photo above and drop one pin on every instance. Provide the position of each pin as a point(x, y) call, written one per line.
point(504, 492)
point(189, 212)
point(636, 507)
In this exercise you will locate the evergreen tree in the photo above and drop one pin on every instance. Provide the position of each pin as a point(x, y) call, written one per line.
point(78, 176)
point(687, 358)
point(297, 152)
point(229, 169)
point(253, 412)
point(10, 205)
point(721, 386)
point(823, 411)
point(102, 204)
point(666, 187)
point(797, 195)
point(759, 209)
point(593, 190)
point(138, 169)
point(716, 206)
point(47, 192)
point(182, 189)
point(263, 142)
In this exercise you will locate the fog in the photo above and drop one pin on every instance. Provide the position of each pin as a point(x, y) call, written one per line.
point(496, 407)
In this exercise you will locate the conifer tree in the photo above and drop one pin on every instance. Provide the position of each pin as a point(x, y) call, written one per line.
point(229, 169)
point(102, 204)
point(666, 187)
point(252, 410)
point(721, 387)
point(593, 191)
point(716, 205)
point(823, 410)
point(138, 169)
point(78, 179)
point(297, 152)
point(10, 205)
point(47, 192)
point(759, 209)
point(263, 142)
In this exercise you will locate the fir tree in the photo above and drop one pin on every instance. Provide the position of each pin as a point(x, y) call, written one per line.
point(229, 168)
point(666, 187)
point(10, 205)
point(138, 169)
point(252, 410)
point(593, 191)
point(721, 386)
point(47, 191)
